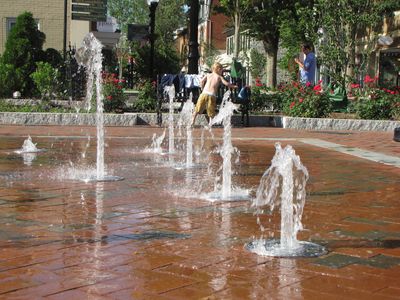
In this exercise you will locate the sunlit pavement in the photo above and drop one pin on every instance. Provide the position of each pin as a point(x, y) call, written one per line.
point(150, 236)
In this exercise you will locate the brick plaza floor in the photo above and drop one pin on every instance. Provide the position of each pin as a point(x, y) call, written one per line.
point(151, 236)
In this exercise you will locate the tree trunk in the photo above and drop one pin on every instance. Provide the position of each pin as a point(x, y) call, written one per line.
point(351, 54)
point(272, 57)
point(236, 47)
point(120, 69)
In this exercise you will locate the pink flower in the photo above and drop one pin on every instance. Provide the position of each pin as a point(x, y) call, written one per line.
point(308, 83)
point(301, 100)
point(355, 86)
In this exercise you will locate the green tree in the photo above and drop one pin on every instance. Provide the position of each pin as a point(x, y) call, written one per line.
point(337, 29)
point(23, 49)
point(170, 15)
point(128, 12)
point(295, 24)
point(237, 10)
point(166, 60)
point(264, 24)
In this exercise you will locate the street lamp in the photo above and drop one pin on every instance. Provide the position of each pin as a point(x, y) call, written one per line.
point(193, 56)
point(152, 6)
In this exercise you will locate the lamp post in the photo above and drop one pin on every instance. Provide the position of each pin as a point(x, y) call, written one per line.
point(152, 6)
point(65, 30)
point(193, 56)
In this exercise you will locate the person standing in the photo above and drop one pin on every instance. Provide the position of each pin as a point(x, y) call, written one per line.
point(307, 68)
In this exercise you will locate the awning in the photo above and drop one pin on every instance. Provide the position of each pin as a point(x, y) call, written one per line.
point(108, 39)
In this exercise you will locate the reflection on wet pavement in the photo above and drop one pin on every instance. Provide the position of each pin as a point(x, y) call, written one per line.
point(152, 237)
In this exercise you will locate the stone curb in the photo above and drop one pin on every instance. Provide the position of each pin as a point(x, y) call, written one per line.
point(339, 124)
point(132, 119)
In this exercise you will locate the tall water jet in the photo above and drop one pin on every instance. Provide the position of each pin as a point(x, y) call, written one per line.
point(284, 185)
point(224, 116)
point(90, 56)
point(171, 134)
point(185, 119)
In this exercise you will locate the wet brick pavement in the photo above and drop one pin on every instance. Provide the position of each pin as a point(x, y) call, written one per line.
point(149, 237)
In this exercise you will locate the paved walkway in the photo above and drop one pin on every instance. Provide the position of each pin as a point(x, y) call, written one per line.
point(152, 235)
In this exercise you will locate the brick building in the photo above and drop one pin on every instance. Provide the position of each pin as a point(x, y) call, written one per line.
point(212, 29)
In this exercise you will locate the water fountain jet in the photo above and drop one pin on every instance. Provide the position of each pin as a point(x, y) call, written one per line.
point(283, 184)
point(224, 116)
point(90, 56)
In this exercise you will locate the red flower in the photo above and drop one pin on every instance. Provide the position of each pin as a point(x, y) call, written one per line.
point(317, 88)
point(109, 97)
point(301, 100)
point(292, 104)
point(369, 79)
point(308, 83)
point(355, 86)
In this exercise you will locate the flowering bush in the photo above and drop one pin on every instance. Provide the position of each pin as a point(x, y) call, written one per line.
point(376, 103)
point(113, 91)
point(263, 98)
point(305, 101)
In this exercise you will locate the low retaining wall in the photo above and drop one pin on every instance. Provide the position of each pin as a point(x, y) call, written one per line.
point(12, 118)
point(132, 119)
point(339, 124)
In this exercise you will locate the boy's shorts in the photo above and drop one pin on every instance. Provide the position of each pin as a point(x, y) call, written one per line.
point(206, 101)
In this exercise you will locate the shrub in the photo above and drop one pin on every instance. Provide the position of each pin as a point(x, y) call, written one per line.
point(53, 57)
point(45, 78)
point(379, 105)
point(38, 107)
point(258, 62)
point(305, 101)
point(23, 49)
point(147, 98)
point(113, 91)
point(264, 99)
point(374, 103)
point(8, 79)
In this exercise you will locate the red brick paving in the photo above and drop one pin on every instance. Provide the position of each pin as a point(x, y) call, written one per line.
point(62, 239)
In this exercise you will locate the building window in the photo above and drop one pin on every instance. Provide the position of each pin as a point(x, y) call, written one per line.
point(12, 21)
point(10, 24)
point(389, 68)
point(244, 42)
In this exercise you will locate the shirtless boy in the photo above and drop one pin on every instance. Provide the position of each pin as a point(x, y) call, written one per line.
point(209, 85)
